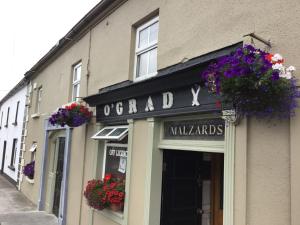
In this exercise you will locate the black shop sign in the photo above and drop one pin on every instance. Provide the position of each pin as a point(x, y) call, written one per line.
point(189, 99)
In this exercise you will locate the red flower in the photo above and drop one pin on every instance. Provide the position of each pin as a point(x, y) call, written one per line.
point(107, 177)
point(73, 105)
point(218, 104)
point(269, 57)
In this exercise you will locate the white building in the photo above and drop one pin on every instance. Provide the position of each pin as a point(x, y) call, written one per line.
point(12, 109)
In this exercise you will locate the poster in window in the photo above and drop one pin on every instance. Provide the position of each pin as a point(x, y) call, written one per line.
point(116, 160)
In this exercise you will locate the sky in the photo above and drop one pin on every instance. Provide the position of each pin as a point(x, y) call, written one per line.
point(29, 29)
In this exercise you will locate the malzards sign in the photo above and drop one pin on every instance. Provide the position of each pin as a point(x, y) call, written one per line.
point(170, 102)
point(208, 129)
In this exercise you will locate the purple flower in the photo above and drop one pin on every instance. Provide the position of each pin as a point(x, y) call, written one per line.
point(28, 170)
point(246, 79)
point(275, 75)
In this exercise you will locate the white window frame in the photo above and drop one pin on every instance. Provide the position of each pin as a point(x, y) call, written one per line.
point(108, 137)
point(39, 99)
point(1, 119)
point(76, 82)
point(139, 51)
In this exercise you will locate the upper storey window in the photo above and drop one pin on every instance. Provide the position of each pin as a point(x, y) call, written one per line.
point(76, 81)
point(146, 50)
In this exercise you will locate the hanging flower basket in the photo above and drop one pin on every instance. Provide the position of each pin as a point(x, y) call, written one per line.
point(28, 170)
point(255, 82)
point(106, 193)
point(72, 115)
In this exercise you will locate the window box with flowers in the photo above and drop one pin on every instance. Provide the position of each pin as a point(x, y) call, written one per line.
point(28, 171)
point(255, 82)
point(73, 115)
point(106, 193)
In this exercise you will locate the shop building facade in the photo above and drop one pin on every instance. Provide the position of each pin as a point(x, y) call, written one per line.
point(185, 160)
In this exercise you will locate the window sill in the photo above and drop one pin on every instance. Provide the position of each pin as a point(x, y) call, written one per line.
point(35, 115)
point(145, 77)
point(117, 217)
point(30, 181)
point(11, 168)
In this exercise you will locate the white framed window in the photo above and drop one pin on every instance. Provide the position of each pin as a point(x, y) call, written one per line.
point(116, 133)
point(38, 99)
point(146, 50)
point(1, 119)
point(76, 81)
point(13, 153)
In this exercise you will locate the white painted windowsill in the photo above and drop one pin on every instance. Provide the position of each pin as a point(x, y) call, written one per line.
point(35, 115)
point(31, 181)
point(117, 217)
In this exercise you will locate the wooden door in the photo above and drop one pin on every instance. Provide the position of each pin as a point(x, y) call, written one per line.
point(190, 187)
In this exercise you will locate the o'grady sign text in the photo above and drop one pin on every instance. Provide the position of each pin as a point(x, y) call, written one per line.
point(182, 100)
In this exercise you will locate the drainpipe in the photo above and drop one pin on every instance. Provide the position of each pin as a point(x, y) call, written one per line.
point(86, 129)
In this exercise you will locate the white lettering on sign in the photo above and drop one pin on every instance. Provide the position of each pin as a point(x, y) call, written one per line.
point(167, 100)
point(106, 110)
point(196, 130)
point(156, 102)
point(195, 94)
point(149, 105)
point(119, 108)
point(118, 153)
point(132, 106)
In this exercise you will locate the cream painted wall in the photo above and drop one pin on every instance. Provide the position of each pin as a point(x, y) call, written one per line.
point(187, 29)
point(268, 173)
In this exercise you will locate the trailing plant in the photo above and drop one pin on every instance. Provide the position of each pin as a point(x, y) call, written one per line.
point(28, 170)
point(72, 115)
point(255, 82)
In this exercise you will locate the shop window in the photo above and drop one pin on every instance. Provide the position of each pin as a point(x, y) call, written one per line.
point(115, 159)
point(146, 50)
point(76, 81)
point(112, 161)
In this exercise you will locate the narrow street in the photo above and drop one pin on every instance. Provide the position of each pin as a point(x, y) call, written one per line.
point(16, 209)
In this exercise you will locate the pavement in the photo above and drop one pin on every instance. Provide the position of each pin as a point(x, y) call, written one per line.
point(16, 209)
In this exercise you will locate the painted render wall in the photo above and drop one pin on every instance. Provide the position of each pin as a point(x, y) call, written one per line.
point(12, 131)
point(56, 85)
point(266, 154)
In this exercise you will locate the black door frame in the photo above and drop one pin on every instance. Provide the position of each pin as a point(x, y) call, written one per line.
point(207, 171)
